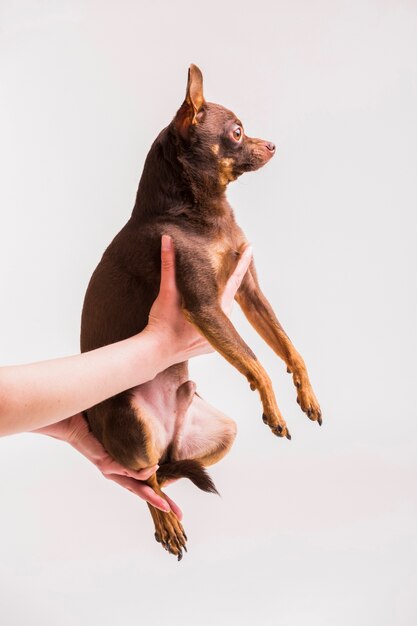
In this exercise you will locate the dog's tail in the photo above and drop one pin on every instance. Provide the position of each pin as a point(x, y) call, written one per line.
point(193, 470)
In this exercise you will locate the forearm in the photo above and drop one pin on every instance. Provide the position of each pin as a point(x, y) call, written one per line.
point(39, 394)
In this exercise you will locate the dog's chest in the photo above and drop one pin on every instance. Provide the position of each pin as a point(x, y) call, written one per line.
point(224, 253)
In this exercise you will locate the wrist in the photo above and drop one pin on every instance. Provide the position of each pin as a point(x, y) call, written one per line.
point(158, 344)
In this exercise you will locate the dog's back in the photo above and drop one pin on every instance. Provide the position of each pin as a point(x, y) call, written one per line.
point(121, 290)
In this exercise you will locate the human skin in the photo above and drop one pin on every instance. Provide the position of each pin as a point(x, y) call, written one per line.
point(39, 397)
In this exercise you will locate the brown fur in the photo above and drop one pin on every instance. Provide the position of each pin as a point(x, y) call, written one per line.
point(182, 194)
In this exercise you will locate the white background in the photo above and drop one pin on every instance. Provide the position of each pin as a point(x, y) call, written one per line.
point(320, 530)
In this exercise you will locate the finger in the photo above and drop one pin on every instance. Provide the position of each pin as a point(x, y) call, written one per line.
point(242, 267)
point(167, 285)
point(115, 468)
point(143, 491)
point(147, 493)
point(174, 508)
point(145, 473)
point(236, 278)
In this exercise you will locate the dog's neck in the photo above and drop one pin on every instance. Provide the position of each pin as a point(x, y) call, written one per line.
point(172, 185)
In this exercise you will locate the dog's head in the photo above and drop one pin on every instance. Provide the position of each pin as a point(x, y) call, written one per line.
point(213, 138)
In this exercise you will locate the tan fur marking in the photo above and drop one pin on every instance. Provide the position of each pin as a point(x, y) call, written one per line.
point(226, 170)
point(215, 149)
point(218, 251)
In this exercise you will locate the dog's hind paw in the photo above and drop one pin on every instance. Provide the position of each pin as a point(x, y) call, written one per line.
point(170, 533)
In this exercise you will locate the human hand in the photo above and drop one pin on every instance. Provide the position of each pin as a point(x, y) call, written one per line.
point(75, 431)
point(166, 318)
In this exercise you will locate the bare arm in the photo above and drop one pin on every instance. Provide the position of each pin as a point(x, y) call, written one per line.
point(38, 394)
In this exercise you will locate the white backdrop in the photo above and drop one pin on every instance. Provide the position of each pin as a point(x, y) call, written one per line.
point(320, 530)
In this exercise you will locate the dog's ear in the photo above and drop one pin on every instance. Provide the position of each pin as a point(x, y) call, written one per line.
point(193, 103)
point(194, 95)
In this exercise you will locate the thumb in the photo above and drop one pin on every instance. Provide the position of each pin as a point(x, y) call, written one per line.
point(235, 279)
point(167, 285)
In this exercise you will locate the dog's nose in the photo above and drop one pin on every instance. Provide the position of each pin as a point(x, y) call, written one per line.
point(270, 146)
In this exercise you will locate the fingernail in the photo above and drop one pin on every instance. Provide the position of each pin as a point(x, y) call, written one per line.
point(166, 508)
point(166, 243)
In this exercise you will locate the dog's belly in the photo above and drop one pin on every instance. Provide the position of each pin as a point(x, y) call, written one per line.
point(157, 404)
point(179, 422)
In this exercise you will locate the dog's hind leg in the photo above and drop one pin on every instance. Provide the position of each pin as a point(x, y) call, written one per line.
point(123, 432)
point(168, 529)
point(126, 434)
point(205, 434)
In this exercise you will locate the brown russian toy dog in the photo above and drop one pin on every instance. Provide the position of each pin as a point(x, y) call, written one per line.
point(182, 194)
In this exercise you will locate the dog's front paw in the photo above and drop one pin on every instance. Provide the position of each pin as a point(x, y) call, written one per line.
point(280, 429)
point(306, 397)
point(273, 418)
point(169, 533)
point(309, 403)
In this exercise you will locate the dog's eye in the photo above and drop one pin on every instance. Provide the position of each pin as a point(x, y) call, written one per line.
point(237, 133)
